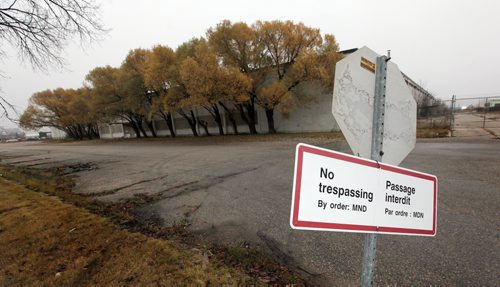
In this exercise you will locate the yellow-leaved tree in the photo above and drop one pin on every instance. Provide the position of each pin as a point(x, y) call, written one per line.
point(66, 109)
point(178, 97)
point(159, 75)
point(277, 56)
point(236, 44)
point(213, 86)
point(106, 85)
point(137, 96)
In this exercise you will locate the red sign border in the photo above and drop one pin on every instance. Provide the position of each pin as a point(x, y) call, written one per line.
point(296, 223)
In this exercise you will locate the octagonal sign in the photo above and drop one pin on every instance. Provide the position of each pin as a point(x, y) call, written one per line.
point(352, 106)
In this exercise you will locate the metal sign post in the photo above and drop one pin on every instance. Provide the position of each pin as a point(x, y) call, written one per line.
point(370, 247)
point(377, 115)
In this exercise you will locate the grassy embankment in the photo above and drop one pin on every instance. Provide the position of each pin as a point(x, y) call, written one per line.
point(54, 237)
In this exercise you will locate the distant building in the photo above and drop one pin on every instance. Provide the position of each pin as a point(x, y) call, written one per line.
point(45, 133)
point(10, 134)
point(57, 133)
point(30, 135)
point(494, 104)
point(116, 129)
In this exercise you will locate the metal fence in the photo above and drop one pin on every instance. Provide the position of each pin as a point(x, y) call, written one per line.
point(434, 114)
point(477, 112)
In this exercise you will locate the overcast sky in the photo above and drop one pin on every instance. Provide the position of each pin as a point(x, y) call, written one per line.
point(450, 47)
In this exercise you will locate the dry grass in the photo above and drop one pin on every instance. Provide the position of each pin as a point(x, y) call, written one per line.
point(44, 241)
point(56, 237)
point(432, 132)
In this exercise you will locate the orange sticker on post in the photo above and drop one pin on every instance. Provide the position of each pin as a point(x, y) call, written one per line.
point(365, 63)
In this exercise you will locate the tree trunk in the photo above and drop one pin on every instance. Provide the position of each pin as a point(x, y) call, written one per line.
point(130, 119)
point(231, 118)
point(68, 132)
point(251, 114)
point(217, 118)
point(204, 125)
point(95, 131)
point(251, 120)
point(141, 128)
point(151, 128)
point(168, 119)
point(248, 116)
point(81, 133)
point(90, 127)
point(88, 132)
point(138, 121)
point(191, 121)
point(76, 133)
point(270, 120)
point(135, 128)
point(241, 109)
point(71, 132)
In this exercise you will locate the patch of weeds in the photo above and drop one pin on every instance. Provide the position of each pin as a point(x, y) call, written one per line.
point(432, 132)
point(257, 265)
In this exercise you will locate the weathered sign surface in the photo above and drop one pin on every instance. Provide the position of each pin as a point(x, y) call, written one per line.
point(352, 106)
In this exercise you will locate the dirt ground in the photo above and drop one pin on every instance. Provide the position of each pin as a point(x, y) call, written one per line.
point(236, 191)
point(471, 125)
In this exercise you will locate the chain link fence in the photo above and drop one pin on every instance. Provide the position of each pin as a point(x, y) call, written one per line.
point(434, 117)
point(440, 115)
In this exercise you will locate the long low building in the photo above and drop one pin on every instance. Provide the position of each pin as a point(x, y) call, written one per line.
point(313, 114)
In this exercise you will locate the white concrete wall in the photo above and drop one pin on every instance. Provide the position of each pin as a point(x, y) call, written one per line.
point(111, 131)
point(313, 114)
point(57, 133)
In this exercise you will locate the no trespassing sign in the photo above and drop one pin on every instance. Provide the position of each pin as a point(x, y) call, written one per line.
point(334, 191)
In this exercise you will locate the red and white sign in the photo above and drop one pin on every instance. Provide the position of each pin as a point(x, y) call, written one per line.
point(334, 191)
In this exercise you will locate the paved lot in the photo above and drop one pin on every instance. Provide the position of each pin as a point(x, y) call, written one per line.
point(471, 125)
point(240, 191)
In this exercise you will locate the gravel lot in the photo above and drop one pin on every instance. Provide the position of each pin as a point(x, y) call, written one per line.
point(239, 191)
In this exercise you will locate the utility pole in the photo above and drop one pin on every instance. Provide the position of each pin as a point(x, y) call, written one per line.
point(486, 105)
point(452, 114)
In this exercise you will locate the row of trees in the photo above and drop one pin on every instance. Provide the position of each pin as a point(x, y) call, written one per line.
point(236, 68)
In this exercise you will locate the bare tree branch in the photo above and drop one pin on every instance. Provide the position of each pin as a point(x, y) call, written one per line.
point(5, 106)
point(40, 29)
